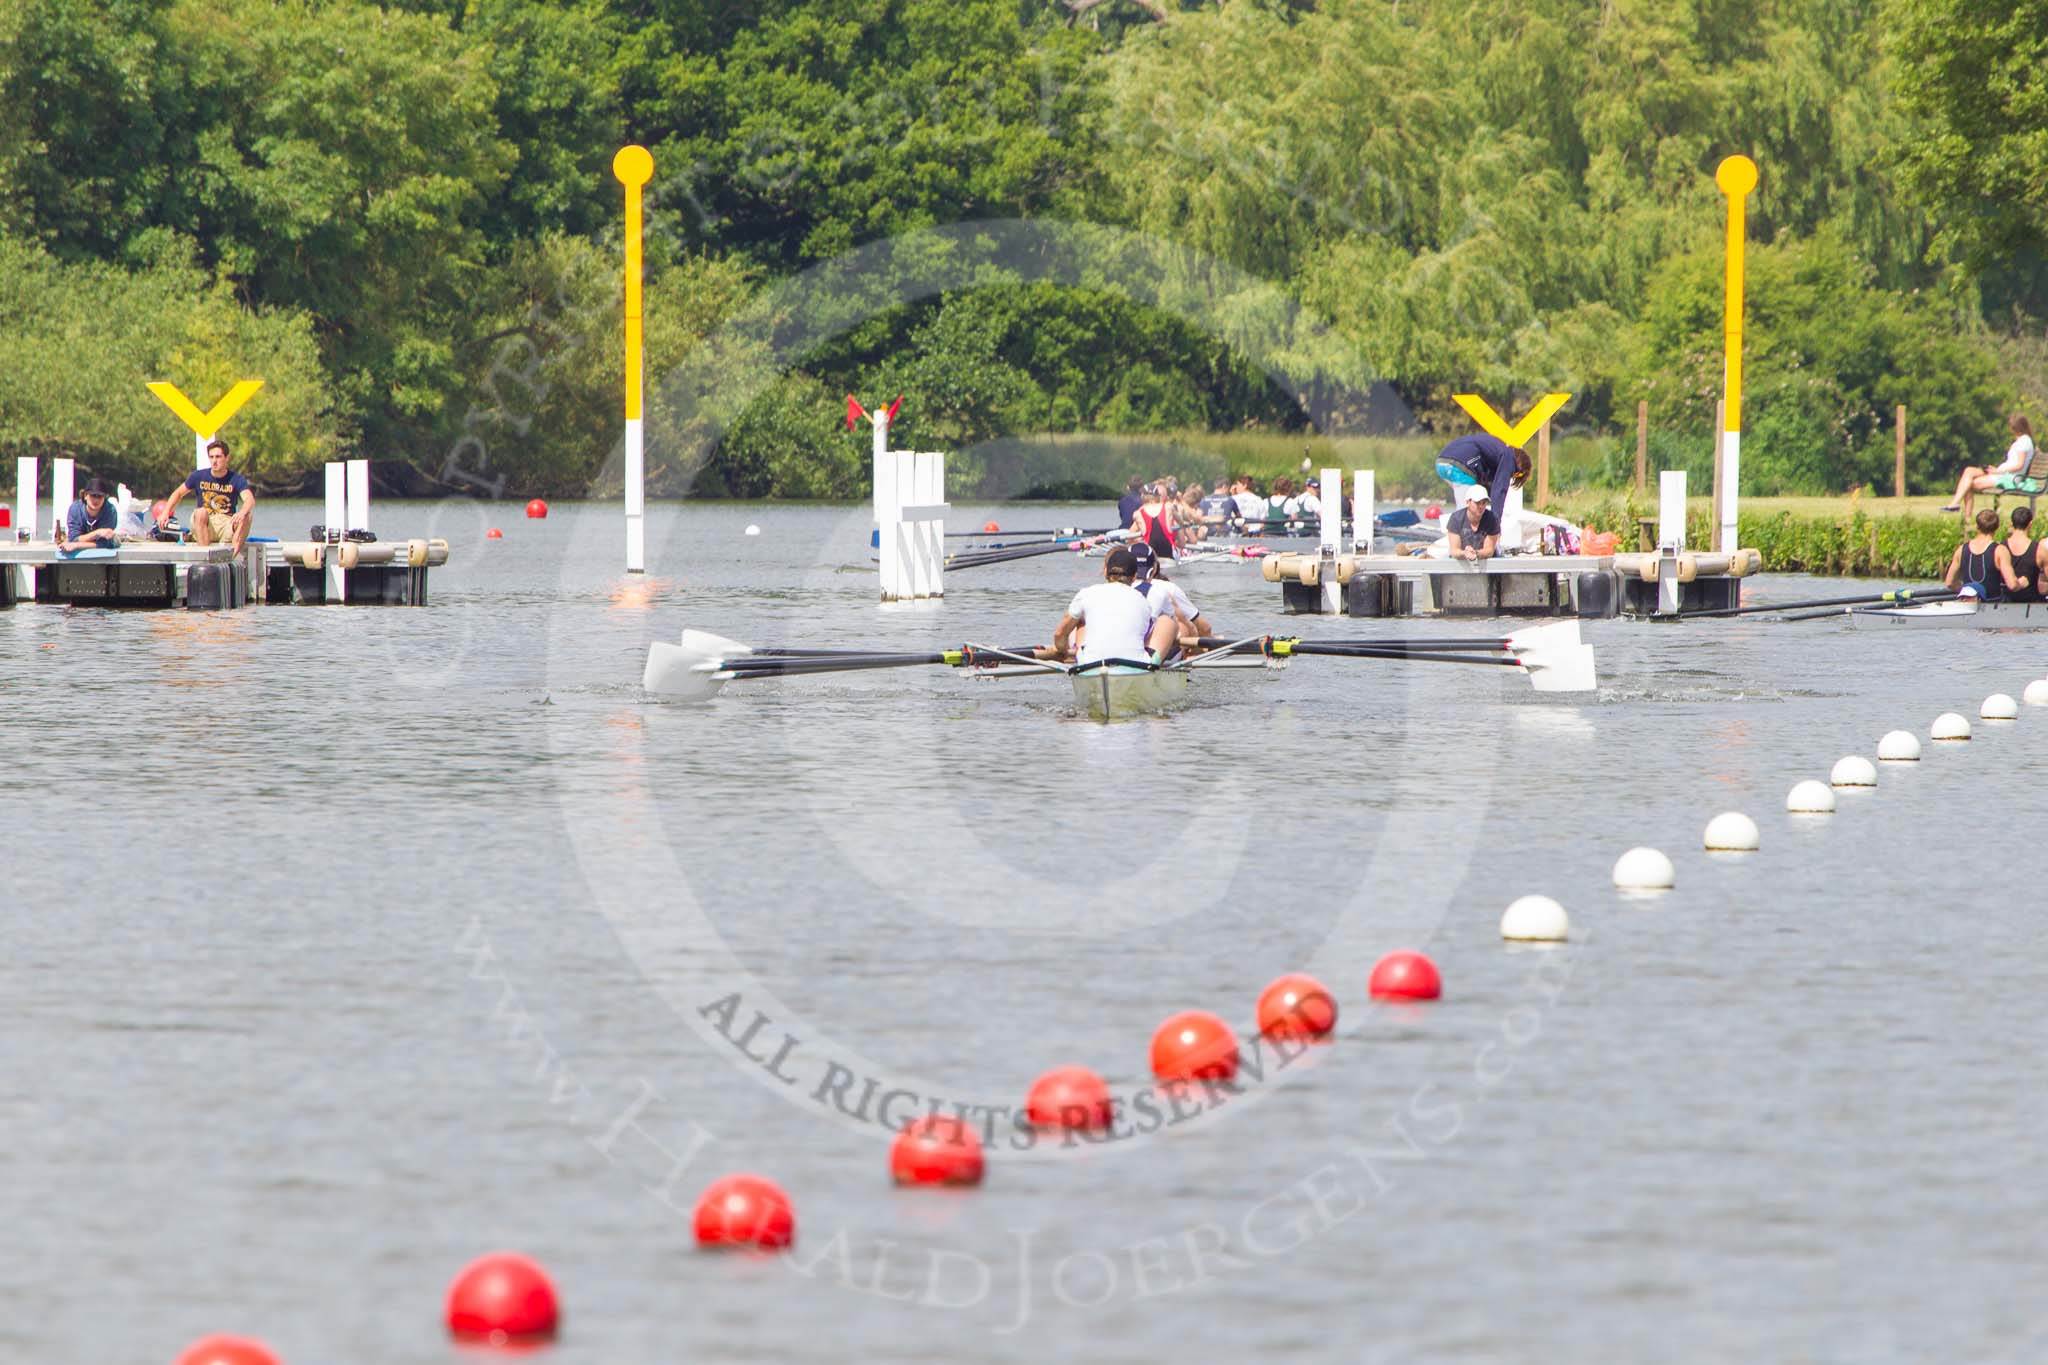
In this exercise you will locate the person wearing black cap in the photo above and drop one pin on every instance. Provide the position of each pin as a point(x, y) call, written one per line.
point(1473, 530)
point(1166, 597)
point(92, 522)
point(1113, 620)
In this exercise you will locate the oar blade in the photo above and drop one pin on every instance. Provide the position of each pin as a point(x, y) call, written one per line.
point(1555, 658)
point(689, 672)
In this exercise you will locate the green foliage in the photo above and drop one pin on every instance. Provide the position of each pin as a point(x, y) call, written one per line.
point(78, 341)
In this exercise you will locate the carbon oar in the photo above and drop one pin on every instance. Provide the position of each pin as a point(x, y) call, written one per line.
point(1862, 600)
point(971, 560)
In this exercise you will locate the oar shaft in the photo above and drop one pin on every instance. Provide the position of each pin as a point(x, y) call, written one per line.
point(1898, 595)
point(754, 666)
point(1424, 657)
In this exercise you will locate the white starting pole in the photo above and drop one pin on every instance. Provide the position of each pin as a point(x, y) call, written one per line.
point(1330, 509)
point(337, 526)
point(63, 483)
point(25, 522)
point(1362, 514)
point(910, 515)
point(1670, 538)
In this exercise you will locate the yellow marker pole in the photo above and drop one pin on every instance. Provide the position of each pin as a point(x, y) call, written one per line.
point(205, 425)
point(1737, 177)
point(634, 166)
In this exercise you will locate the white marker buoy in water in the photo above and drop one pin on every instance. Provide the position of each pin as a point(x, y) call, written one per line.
point(753, 530)
point(1999, 706)
point(1854, 771)
point(1899, 746)
point(1732, 832)
point(2036, 693)
point(1949, 725)
point(1535, 919)
point(1810, 798)
point(1644, 869)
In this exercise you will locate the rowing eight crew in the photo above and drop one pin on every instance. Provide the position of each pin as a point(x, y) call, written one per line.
point(1135, 613)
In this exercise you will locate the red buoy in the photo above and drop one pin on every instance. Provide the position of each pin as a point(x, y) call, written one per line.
point(1069, 1097)
point(1432, 512)
point(1297, 1006)
point(1194, 1045)
point(502, 1297)
point(228, 1351)
point(1405, 975)
point(745, 1211)
point(990, 528)
point(936, 1150)
point(537, 510)
point(494, 534)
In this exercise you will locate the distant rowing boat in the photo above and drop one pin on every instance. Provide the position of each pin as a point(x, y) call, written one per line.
point(1964, 613)
point(698, 669)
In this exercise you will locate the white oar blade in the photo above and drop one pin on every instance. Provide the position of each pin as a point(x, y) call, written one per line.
point(688, 672)
point(1570, 669)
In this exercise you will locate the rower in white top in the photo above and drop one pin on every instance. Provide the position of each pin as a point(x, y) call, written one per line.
point(1113, 620)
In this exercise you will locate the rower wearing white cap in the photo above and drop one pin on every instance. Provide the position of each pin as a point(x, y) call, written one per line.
point(1474, 530)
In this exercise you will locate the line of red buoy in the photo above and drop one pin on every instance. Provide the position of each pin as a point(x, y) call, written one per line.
point(506, 1299)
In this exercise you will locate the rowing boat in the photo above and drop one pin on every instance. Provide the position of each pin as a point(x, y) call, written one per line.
point(1117, 689)
point(1964, 613)
point(697, 669)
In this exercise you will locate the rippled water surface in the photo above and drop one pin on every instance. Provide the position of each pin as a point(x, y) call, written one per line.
point(346, 944)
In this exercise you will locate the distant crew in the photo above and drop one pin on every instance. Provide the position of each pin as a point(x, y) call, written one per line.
point(1153, 523)
point(2025, 553)
point(1482, 461)
point(1473, 529)
point(1127, 505)
point(1113, 620)
point(1982, 564)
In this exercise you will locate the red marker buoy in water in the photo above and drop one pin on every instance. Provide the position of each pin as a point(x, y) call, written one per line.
point(936, 1150)
point(537, 510)
point(1297, 1006)
point(1432, 512)
point(744, 1211)
point(1405, 975)
point(228, 1351)
point(494, 534)
point(990, 528)
point(1194, 1045)
point(502, 1297)
point(1069, 1097)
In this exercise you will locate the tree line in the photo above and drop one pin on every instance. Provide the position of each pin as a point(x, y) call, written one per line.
point(1131, 216)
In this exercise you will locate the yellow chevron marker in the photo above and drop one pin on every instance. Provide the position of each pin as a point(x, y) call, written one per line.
point(205, 423)
point(1517, 435)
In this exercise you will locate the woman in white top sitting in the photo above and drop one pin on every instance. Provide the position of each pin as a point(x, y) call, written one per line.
point(2005, 478)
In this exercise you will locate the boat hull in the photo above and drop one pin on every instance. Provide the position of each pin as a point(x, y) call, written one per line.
point(1120, 691)
point(1954, 616)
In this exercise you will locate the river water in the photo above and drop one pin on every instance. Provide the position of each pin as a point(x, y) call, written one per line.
point(346, 945)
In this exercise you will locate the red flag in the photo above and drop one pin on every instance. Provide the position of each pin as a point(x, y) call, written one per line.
point(853, 410)
point(893, 406)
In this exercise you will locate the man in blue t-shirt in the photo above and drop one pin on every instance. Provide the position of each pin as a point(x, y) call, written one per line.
point(225, 501)
point(92, 522)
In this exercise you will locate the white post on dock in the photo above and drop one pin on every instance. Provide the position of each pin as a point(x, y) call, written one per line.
point(1670, 538)
point(199, 445)
point(928, 492)
point(25, 522)
point(1510, 523)
point(1363, 517)
point(357, 490)
point(910, 512)
point(63, 480)
point(1330, 509)
point(337, 523)
point(888, 513)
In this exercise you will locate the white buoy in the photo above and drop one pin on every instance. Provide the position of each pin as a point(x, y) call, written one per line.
point(1899, 746)
point(1535, 919)
point(1949, 725)
point(1998, 706)
point(1732, 832)
point(1854, 771)
point(1810, 798)
point(753, 530)
point(1644, 869)
point(2036, 693)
